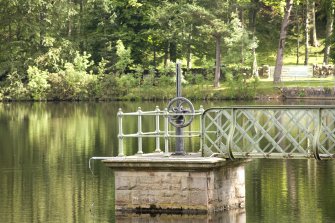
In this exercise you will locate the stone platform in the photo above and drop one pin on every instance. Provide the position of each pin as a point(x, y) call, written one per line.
point(155, 183)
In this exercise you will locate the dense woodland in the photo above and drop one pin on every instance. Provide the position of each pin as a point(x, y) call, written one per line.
point(100, 49)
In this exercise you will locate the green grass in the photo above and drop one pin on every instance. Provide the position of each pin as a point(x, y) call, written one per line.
point(265, 89)
point(290, 55)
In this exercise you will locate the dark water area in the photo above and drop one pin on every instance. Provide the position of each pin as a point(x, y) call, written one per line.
point(45, 177)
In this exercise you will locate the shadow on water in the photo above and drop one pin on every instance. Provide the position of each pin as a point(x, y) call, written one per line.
point(236, 216)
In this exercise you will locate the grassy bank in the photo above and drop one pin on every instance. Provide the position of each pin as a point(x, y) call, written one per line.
point(262, 89)
point(233, 89)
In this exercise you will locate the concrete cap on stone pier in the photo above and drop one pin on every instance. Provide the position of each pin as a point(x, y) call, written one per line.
point(189, 162)
point(177, 184)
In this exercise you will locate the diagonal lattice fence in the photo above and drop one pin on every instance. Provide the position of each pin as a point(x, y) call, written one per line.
point(269, 132)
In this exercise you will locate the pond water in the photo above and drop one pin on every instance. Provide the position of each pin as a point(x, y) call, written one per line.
point(44, 175)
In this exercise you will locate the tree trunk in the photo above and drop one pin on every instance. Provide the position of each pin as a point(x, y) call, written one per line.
point(252, 18)
point(69, 22)
point(188, 57)
point(306, 33)
point(281, 44)
point(298, 54)
point(315, 41)
point(329, 31)
point(189, 50)
point(254, 63)
point(81, 16)
point(81, 32)
point(217, 61)
point(298, 33)
point(155, 58)
point(173, 52)
point(166, 54)
point(242, 43)
point(42, 16)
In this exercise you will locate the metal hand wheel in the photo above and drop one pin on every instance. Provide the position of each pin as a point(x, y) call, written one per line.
point(180, 106)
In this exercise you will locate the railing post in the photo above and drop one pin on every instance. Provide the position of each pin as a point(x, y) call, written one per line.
point(201, 111)
point(139, 133)
point(120, 135)
point(230, 139)
point(219, 123)
point(158, 150)
point(166, 132)
point(316, 139)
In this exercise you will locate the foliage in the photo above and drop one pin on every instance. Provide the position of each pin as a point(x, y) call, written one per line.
point(168, 70)
point(138, 75)
point(149, 80)
point(240, 87)
point(56, 54)
point(124, 57)
point(104, 49)
point(239, 43)
point(126, 82)
point(14, 88)
point(38, 84)
point(107, 87)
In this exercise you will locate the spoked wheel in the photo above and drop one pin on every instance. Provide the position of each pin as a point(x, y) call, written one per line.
point(182, 112)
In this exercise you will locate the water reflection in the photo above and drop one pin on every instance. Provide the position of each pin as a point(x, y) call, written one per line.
point(236, 216)
point(290, 190)
point(44, 175)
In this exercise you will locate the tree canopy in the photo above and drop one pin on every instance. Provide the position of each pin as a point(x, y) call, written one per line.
point(41, 37)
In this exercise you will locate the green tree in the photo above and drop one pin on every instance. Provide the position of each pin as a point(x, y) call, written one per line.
point(282, 40)
point(24, 26)
point(124, 57)
point(307, 28)
point(328, 6)
point(314, 38)
point(214, 25)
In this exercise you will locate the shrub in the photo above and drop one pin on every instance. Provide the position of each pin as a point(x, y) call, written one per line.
point(149, 80)
point(125, 83)
point(74, 82)
point(107, 87)
point(78, 82)
point(241, 88)
point(164, 81)
point(14, 88)
point(38, 84)
point(169, 70)
point(139, 70)
point(57, 90)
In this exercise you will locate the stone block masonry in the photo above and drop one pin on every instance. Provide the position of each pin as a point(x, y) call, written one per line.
point(181, 184)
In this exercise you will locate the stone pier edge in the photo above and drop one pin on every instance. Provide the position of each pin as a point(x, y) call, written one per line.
point(159, 162)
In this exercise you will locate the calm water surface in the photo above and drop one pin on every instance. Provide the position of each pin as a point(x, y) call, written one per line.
point(44, 174)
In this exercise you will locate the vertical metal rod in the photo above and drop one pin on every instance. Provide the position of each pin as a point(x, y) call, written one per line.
point(158, 150)
point(230, 139)
point(201, 111)
point(120, 135)
point(219, 123)
point(139, 124)
point(166, 132)
point(178, 78)
point(179, 142)
point(179, 131)
point(317, 134)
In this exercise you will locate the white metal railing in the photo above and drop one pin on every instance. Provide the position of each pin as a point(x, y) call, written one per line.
point(157, 133)
point(269, 132)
